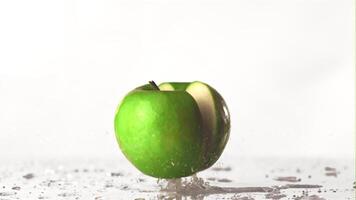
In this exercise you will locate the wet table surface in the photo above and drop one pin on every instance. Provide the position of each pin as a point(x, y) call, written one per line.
point(230, 178)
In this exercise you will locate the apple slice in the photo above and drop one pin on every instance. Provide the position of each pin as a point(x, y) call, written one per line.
point(202, 94)
point(216, 119)
point(166, 87)
point(214, 113)
point(173, 86)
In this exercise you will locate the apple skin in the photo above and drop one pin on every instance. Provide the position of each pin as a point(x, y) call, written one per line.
point(160, 132)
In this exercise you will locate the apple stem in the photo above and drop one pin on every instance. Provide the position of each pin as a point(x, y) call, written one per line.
point(153, 84)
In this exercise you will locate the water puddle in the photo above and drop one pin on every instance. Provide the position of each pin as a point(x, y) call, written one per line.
point(196, 188)
point(288, 179)
point(246, 181)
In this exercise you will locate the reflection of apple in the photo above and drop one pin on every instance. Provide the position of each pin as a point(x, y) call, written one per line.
point(173, 130)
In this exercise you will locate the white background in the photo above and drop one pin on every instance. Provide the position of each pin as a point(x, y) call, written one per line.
point(285, 69)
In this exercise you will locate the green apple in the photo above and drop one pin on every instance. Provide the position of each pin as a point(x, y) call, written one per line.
point(174, 130)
